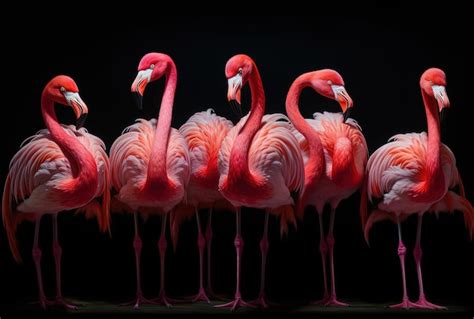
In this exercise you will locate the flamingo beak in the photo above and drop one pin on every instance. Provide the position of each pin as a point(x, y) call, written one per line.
point(233, 93)
point(345, 101)
point(441, 97)
point(80, 108)
point(139, 85)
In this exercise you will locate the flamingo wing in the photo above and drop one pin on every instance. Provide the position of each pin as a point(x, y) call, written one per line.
point(401, 160)
point(331, 127)
point(130, 153)
point(274, 148)
point(204, 133)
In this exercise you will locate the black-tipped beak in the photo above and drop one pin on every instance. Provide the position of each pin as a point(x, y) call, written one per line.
point(236, 107)
point(81, 120)
point(347, 113)
point(139, 100)
point(443, 115)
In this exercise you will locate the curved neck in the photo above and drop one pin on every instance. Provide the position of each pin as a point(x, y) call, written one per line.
point(157, 172)
point(239, 166)
point(315, 164)
point(79, 157)
point(433, 162)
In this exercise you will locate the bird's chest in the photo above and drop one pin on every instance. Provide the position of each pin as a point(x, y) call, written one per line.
point(245, 189)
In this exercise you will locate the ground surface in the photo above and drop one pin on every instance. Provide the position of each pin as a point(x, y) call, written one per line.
point(103, 309)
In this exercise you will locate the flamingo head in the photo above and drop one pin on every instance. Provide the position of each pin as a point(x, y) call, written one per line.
point(433, 83)
point(330, 84)
point(151, 68)
point(237, 70)
point(63, 90)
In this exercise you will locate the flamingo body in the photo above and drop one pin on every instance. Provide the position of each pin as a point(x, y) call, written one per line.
point(130, 157)
point(204, 133)
point(345, 156)
point(274, 164)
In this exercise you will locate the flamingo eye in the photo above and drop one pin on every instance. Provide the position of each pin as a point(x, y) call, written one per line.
point(62, 89)
point(240, 71)
point(152, 66)
point(329, 82)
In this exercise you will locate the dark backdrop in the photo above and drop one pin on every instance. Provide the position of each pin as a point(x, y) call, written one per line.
point(381, 58)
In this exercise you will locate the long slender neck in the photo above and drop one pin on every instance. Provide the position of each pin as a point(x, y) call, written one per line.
point(157, 172)
point(82, 163)
point(315, 165)
point(239, 165)
point(433, 162)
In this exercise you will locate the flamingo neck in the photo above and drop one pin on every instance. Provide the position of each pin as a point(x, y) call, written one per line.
point(238, 165)
point(315, 165)
point(157, 170)
point(83, 165)
point(433, 162)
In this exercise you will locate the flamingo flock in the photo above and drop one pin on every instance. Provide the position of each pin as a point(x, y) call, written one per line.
point(211, 164)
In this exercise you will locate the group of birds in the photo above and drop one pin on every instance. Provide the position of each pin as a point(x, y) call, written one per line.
point(209, 163)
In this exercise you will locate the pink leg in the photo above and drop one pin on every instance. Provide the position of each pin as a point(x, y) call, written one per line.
point(261, 300)
point(422, 302)
point(162, 245)
point(323, 249)
point(36, 252)
point(239, 246)
point(201, 296)
point(405, 304)
point(137, 245)
point(330, 240)
point(208, 238)
point(57, 252)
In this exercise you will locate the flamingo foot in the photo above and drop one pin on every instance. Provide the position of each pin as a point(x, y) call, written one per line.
point(238, 302)
point(211, 294)
point(140, 300)
point(321, 301)
point(201, 296)
point(59, 302)
point(261, 301)
point(162, 299)
point(422, 303)
point(333, 302)
point(405, 304)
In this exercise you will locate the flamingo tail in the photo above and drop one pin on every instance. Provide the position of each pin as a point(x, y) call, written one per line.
point(10, 221)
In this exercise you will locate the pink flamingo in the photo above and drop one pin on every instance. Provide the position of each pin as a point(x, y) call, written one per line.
point(150, 164)
point(60, 168)
point(335, 154)
point(260, 164)
point(204, 133)
point(413, 174)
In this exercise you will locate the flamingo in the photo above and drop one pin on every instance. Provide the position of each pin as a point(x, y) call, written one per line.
point(150, 164)
point(415, 173)
point(335, 154)
point(60, 168)
point(260, 165)
point(204, 133)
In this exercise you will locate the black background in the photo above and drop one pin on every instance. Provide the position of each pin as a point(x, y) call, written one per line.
point(380, 56)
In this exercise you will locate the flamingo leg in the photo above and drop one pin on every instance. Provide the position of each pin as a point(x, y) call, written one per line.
point(36, 253)
point(201, 296)
point(137, 245)
point(406, 303)
point(57, 252)
point(417, 252)
point(239, 246)
point(162, 245)
point(209, 236)
point(330, 240)
point(323, 249)
point(261, 299)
